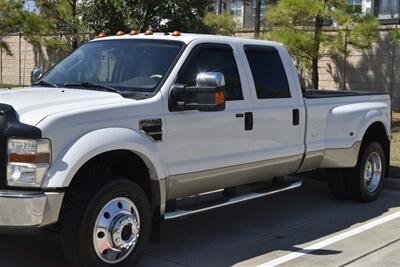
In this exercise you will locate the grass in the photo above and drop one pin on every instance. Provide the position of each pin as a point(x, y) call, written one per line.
point(6, 85)
point(395, 146)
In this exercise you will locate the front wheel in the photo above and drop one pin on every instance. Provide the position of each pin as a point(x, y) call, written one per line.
point(107, 226)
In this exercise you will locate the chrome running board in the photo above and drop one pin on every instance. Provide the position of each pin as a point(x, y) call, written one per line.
point(189, 210)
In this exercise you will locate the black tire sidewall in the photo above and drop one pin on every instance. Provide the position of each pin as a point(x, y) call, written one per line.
point(365, 195)
point(86, 253)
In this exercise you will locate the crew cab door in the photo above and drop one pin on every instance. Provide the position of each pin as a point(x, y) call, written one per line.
point(200, 141)
point(278, 113)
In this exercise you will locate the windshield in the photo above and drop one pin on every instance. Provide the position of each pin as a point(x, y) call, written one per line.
point(126, 65)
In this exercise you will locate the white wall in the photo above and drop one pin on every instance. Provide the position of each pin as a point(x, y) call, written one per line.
point(366, 6)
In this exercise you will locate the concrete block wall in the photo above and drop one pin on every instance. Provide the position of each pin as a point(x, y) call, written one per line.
point(16, 69)
point(367, 71)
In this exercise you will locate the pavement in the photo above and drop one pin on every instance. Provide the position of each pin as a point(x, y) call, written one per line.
point(304, 227)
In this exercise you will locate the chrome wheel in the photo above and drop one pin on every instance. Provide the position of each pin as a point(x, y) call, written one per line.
point(373, 172)
point(116, 230)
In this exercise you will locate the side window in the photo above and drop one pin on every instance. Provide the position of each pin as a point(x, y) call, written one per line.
point(268, 72)
point(207, 58)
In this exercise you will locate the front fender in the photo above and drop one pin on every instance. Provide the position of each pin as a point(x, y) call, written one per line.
point(73, 157)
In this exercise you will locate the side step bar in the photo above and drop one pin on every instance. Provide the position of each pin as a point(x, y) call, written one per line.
point(186, 211)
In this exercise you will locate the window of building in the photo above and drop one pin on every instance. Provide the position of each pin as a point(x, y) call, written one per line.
point(213, 58)
point(268, 72)
point(263, 8)
point(354, 6)
point(237, 8)
point(386, 9)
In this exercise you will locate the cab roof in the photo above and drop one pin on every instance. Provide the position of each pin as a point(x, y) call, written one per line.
point(187, 38)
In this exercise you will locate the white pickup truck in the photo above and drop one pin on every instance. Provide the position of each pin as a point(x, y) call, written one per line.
point(130, 130)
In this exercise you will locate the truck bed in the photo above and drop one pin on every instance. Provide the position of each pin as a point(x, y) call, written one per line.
point(312, 93)
point(336, 122)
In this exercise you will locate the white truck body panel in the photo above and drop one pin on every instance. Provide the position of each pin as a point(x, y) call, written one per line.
point(82, 124)
point(190, 131)
point(33, 105)
point(160, 120)
point(341, 122)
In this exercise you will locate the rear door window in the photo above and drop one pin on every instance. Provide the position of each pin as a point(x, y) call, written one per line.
point(269, 75)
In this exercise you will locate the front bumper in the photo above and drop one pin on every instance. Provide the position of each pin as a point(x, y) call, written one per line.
point(22, 209)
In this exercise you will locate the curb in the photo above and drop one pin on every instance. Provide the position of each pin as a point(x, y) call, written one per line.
point(392, 183)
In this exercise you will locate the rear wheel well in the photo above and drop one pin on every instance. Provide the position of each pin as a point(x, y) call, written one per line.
point(376, 133)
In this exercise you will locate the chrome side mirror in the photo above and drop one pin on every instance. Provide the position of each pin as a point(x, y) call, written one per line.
point(36, 74)
point(207, 95)
point(210, 79)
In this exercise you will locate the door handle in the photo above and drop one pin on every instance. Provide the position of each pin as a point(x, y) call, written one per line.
point(239, 115)
point(296, 117)
point(248, 121)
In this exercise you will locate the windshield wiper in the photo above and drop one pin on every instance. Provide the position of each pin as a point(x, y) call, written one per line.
point(94, 85)
point(44, 83)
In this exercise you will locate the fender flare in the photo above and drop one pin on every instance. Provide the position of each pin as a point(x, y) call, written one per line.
point(356, 118)
point(371, 117)
point(86, 147)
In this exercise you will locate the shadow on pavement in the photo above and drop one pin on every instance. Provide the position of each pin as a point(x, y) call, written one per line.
point(277, 223)
point(229, 235)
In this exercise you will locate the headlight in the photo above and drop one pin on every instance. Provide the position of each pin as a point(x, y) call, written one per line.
point(28, 161)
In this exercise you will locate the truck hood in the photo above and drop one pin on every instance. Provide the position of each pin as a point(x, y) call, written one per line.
point(36, 103)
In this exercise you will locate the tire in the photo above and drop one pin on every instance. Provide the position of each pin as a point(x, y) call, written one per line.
point(337, 183)
point(116, 203)
point(371, 164)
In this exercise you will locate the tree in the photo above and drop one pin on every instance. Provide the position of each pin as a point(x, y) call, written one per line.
point(113, 16)
point(160, 15)
point(223, 24)
point(300, 25)
point(60, 18)
point(356, 32)
point(394, 37)
point(257, 18)
point(185, 15)
point(10, 20)
point(53, 24)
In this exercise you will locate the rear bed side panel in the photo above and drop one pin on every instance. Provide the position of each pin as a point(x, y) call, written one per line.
point(336, 126)
point(354, 120)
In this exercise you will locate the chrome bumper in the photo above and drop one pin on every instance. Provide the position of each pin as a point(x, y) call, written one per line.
point(29, 209)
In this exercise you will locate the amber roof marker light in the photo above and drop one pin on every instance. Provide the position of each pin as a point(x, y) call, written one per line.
point(176, 33)
point(134, 32)
point(101, 35)
point(120, 33)
point(148, 32)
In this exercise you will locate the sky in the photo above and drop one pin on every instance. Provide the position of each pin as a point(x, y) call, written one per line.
point(29, 4)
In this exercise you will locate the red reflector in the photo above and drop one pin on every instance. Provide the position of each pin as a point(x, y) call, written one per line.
point(30, 158)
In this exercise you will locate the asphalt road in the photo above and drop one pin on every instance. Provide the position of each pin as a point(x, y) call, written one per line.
point(257, 233)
